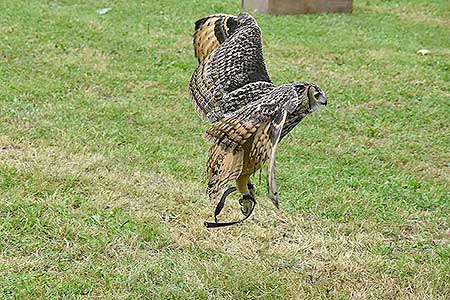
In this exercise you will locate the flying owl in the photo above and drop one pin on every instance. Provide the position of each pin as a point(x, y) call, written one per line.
point(232, 90)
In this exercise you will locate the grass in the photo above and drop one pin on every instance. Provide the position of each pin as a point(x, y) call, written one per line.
point(102, 157)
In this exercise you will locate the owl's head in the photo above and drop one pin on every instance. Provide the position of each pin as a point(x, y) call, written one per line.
point(311, 95)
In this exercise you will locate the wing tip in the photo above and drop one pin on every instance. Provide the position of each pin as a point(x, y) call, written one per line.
point(203, 20)
point(200, 22)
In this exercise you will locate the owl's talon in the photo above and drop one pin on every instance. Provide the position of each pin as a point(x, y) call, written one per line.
point(247, 204)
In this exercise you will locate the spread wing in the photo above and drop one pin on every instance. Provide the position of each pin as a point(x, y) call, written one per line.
point(210, 32)
point(230, 65)
point(260, 123)
point(230, 102)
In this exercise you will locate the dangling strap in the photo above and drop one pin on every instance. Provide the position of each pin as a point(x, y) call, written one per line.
point(221, 203)
point(219, 208)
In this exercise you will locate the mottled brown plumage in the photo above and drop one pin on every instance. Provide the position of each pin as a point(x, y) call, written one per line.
point(247, 138)
point(231, 89)
point(236, 62)
point(210, 32)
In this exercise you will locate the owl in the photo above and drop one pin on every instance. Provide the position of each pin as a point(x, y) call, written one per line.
point(249, 115)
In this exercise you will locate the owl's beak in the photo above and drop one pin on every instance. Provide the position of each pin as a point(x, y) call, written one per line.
point(322, 100)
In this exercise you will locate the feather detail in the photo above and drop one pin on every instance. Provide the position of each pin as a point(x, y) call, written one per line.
point(223, 167)
point(247, 139)
point(210, 32)
point(229, 51)
point(276, 128)
point(231, 132)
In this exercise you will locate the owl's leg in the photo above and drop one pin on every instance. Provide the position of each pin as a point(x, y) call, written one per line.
point(230, 190)
point(251, 189)
point(247, 202)
point(247, 189)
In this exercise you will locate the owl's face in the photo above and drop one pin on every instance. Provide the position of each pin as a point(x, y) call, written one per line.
point(312, 97)
point(316, 97)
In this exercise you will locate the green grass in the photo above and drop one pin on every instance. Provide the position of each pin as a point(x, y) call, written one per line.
point(102, 157)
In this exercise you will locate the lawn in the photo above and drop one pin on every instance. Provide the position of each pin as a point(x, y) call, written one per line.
point(102, 157)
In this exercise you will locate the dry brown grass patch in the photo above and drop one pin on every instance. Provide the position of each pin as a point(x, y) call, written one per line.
point(311, 253)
